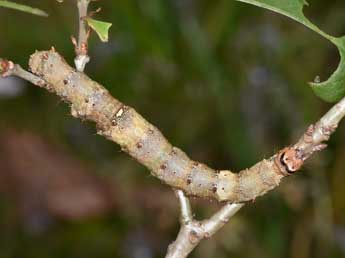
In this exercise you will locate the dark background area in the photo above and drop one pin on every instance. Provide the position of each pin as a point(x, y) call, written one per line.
point(224, 81)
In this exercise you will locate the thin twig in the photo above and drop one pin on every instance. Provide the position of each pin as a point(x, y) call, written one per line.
point(193, 231)
point(220, 218)
point(186, 210)
point(8, 68)
point(313, 138)
point(81, 46)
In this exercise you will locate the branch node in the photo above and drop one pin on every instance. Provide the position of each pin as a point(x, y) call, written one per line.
point(194, 237)
point(6, 67)
point(80, 62)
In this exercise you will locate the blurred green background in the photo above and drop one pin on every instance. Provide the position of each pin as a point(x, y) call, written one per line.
point(224, 81)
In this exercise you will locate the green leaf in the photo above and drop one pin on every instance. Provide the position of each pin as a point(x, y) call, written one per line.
point(23, 8)
point(101, 28)
point(333, 89)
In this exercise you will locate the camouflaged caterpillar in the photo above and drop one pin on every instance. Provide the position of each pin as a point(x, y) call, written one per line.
point(143, 141)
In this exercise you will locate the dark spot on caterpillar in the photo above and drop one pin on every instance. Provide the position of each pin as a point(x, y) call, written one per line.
point(214, 189)
point(113, 122)
point(86, 100)
point(189, 181)
point(65, 81)
point(163, 166)
point(139, 145)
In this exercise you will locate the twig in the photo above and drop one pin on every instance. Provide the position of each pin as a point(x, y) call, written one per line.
point(220, 218)
point(193, 231)
point(316, 134)
point(81, 46)
point(186, 210)
point(8, 68)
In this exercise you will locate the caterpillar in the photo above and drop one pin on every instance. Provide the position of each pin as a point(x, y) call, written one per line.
point(143, 141)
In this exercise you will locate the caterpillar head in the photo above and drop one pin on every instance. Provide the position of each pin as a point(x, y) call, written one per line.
point(290, 159)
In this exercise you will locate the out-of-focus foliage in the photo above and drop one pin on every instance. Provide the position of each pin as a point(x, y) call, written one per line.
point(223, 80)
point(22, 8)
point(333, 89)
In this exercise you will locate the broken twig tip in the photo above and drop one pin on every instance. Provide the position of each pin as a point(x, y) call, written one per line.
point(5, 67)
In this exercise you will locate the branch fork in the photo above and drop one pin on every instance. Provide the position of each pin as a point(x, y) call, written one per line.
point(193, 231)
